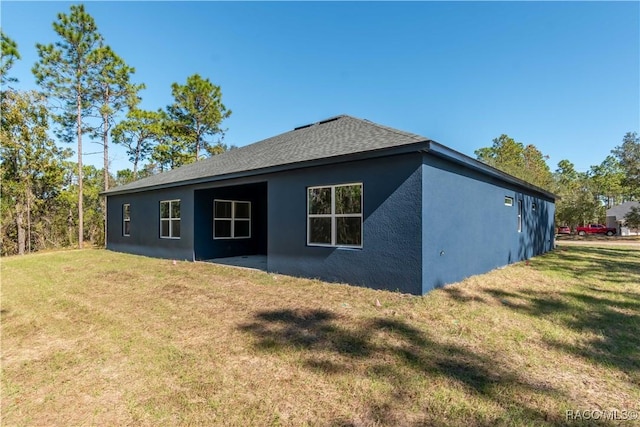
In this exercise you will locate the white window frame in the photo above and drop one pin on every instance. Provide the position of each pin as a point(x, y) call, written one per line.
point(232, 220)
point(170, 219)
point(508, 201)
point(333, 215)
point(126, 219)
point(519, 215)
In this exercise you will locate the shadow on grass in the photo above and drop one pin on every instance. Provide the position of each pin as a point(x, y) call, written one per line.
point(617, 265)
point(403, 357)
point(613, 317)
point(407, 360)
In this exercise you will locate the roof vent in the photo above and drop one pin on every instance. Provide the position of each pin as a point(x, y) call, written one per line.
point(319, 123)
point(332, 119)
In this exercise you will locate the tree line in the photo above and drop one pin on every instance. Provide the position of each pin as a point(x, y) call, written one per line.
point(584, 197)
point(87, 91)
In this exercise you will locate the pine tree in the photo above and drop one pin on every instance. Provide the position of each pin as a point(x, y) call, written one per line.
point(628, 154)
point(138, 132)
point(68, 71)
point(512, 157)
point(197, 114)
point(8, 55)
point(115, 92)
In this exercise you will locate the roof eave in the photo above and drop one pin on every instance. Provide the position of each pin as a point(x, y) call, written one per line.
point(403, 149)
point(440, 150)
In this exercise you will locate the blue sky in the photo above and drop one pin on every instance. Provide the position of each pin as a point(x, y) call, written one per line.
point(564, 76)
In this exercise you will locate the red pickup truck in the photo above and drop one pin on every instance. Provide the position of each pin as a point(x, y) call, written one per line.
point(596, 229)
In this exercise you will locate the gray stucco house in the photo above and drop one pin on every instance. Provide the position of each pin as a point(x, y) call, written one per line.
point(616, 214)
point(343, 200)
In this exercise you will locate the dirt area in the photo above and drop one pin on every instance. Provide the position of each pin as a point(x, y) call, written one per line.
point(598, 240)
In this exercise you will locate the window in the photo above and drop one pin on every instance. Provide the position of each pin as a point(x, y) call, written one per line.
point(126, 219)
point(334, 215)
point(508, 201)
point(231, 219)
point(170, 219)
point(519, 216)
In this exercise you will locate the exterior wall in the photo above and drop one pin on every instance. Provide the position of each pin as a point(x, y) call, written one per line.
point(145, 224)
point(467, 229)
point(391, 254)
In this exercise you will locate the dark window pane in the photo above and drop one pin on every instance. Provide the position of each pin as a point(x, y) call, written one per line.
point(519, 215)
point(349, 231)
point(164, 209)
point(222, 228)
point(320, 230)
point(127, 228)
point(348, 199)
point(320, 200)
point(175, 209)
point(164, 228)
point(175, 228)
point(241, 228)
point(243, 210)
point(222, 209)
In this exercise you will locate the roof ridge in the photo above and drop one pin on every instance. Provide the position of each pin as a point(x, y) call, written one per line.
point(390, 129)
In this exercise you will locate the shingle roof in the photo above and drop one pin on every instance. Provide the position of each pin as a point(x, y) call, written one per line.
point(619, 211)
point(334, 137)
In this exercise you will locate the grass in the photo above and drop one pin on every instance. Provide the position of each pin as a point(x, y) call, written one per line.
point(99, 338)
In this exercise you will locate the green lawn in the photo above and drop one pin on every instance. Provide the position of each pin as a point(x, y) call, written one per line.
point(99, 338)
